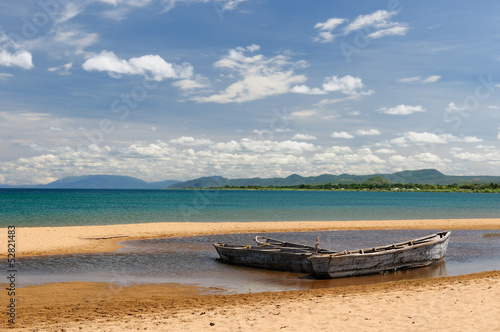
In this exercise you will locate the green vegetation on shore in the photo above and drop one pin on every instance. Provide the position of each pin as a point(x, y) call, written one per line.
point(375, 184)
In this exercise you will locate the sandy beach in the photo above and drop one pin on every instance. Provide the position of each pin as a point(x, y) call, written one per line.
point(35, 241)
point(465, 303)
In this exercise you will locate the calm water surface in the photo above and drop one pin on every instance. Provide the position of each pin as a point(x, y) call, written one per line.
point(34, 207)
point(192, 260)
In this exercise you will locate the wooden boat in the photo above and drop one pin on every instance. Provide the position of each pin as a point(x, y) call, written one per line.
point(261, 240)
point(419, 252)
point(324, 263)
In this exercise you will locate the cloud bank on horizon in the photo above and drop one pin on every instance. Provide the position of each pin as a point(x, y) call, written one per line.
point(178, 89)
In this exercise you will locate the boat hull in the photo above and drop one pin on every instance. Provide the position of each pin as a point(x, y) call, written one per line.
point(405, 256)
point(274, 259)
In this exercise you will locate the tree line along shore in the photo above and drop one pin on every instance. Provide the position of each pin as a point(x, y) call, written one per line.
point(371, 186)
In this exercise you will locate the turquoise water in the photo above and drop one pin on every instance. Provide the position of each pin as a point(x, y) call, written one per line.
point(35, 207)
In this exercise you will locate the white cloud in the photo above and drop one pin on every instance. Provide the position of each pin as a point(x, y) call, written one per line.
point(303, 114)
point(307, 90)
point(399, 30)
point(418, 79)
point(409, 79)
point(376, 25)
point(385, 151)
point(21, 59)
point(418, 161)
point(260, 77)
point(490, 157)
point(380, 20)
point(369, 132)
point(75, 38)
point(431, 79)
point(192, 84)
point(452, 107)
point(431, 138)
point(122, 8)
point(347, 85)
point(325, 102)
point(471, 139)
point(422, 138)
point(325, 34)
point(5, 76)
point(329, 24)
point(63, 69)
point(401, 109)
point(341, 134)
point(69, 10)
point(191, 141)
point(150, 66)
point(304, 137)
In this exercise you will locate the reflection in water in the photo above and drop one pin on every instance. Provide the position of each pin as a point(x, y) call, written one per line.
point(193, 260)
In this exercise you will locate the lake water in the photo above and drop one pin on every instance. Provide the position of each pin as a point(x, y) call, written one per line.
point(192, 260)
point(34, 207)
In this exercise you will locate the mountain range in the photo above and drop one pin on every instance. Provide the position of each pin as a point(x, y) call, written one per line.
point(424, 176)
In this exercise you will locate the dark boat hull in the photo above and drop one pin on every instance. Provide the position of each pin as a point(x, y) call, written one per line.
point(275, 259)
point(402, 256)
point(330, 264)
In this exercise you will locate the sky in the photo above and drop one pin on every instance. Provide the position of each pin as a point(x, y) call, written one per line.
point(179, 89)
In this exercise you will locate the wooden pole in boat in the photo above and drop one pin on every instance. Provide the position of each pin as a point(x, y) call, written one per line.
point(317, 244)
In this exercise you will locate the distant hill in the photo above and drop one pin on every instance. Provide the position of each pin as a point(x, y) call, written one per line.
point(101, 182)
point(424, 176)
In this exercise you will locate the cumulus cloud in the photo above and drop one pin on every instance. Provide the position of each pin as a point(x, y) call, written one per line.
point(259, 77)
point(152, 67)
point(341, 134)
point(418, 161)
point(369, 132)
point(191, 141)
point(304, 89)
point(431, 138)
point(385, 151)
point(488, 156)
point(401, 109)
point(349, 85)
point(304, 137)
point(12, 54)
point(21, 59)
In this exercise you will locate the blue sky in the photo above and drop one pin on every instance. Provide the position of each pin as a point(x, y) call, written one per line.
point(178, 89)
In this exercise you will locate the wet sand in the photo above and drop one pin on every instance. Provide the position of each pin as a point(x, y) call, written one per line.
point(467, 302)
point(35, 241)
point(462, 303)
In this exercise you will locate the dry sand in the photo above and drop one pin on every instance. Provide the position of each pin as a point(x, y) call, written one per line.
point(463, 303)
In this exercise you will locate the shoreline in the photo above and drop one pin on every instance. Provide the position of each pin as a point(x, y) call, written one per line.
point(452, 303)
point(464, 302)
point(40, 241)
